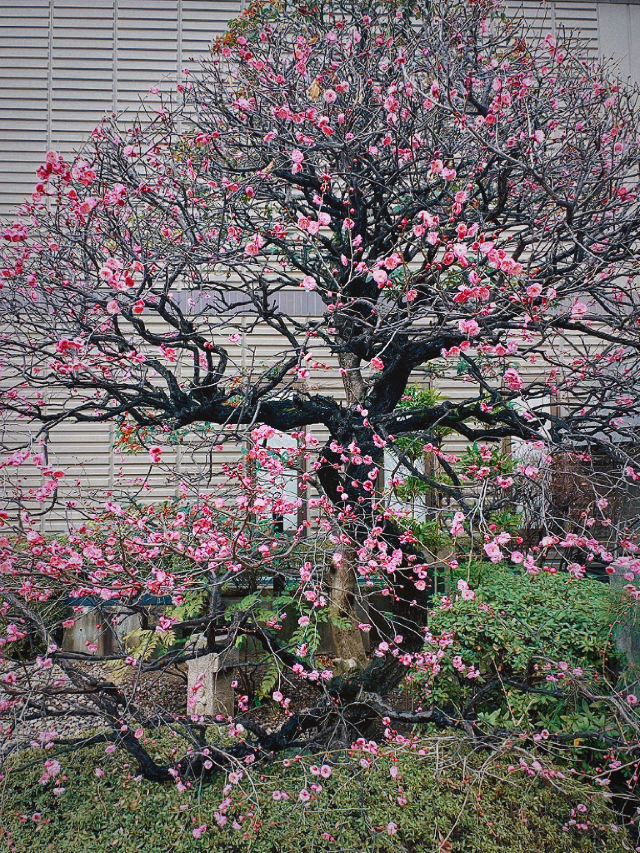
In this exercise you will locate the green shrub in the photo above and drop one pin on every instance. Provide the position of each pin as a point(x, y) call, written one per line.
point(534, 640)
point(444, 797)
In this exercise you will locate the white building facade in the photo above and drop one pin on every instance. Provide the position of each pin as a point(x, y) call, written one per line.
point(64, 64)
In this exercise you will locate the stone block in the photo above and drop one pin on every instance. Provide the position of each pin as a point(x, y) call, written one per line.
point(92, 634)
point(209, 680)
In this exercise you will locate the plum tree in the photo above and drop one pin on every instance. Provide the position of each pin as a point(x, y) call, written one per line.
point(403, 190)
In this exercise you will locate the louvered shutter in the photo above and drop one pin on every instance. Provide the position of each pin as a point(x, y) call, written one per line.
point(202, 22)
point(81, 70)
point(24, 97)
point(147, 49)
point(580, 16)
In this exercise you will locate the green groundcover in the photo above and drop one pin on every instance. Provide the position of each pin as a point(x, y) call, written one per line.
point(440, 796)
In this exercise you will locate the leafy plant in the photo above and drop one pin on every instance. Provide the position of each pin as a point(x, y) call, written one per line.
point(439, 797)
point(525, 650)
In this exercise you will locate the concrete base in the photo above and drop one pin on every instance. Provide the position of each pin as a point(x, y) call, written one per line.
point(209, 681)
point(91, 630)
point(209, 691)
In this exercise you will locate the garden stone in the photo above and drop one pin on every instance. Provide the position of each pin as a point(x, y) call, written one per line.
point(209, 679)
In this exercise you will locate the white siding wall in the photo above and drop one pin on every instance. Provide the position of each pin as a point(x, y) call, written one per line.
point(66, 63)
point(619, 28)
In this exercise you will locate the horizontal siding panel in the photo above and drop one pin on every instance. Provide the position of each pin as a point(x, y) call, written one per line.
point(9, 52)
point(147, 8)
point(38, 69)
point(15, 194)
point(146, 48)
point(82, 7)
point(8, 140)
point(101, 90)
point(27, 9)
point(29, 87)
point(26, 30)
point(92, 73)
point(24, 63)
point(27, 175)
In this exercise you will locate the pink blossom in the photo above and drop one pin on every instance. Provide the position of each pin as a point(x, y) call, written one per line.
point(493, 552)
point(87, 206)
point(252, 248)
point(329, 96)
point(457, 526)
point(376, 363)
point(296, 158)
point(199, 830)
point(113, 307)
point(309, 283)
point(155, 453)
point(466, 593)
point(469, 327)
point(534, 291)
point(578, 310)
point(392, 261)
point(512, 379)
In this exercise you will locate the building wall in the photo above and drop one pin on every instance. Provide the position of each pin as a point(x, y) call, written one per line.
point(66, 63)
